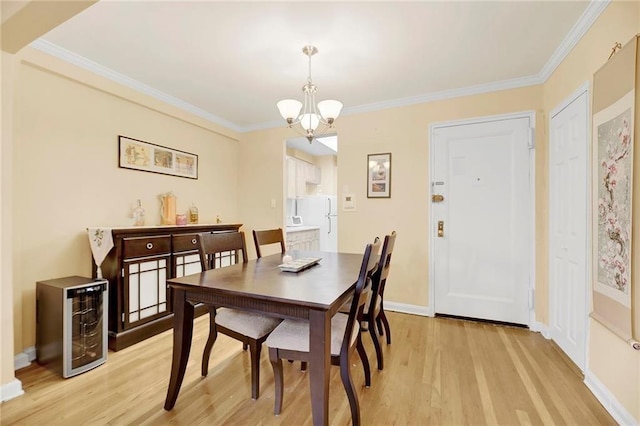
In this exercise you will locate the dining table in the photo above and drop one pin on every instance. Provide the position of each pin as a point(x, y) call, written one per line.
point(259, 285)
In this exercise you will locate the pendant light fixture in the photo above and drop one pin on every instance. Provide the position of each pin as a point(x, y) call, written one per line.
point(306, 118)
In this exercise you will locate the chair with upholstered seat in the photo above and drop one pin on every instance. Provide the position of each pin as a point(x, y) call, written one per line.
point(290, 340)
point(383, 272)
point(266, 237)
point(373, 311)
point(251, 329)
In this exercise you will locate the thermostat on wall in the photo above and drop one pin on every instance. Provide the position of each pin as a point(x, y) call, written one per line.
point(348, 202)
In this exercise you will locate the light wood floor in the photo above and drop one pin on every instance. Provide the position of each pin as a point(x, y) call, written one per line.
point(437, 371)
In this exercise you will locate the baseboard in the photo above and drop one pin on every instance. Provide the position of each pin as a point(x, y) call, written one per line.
point(408, 309)
point(609, 401)
point(541, 328)
point(25, 358)
point(11, 390)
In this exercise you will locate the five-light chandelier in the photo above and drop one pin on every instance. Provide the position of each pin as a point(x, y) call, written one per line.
point(305, 118)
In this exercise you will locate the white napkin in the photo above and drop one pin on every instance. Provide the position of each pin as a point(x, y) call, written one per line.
point(101, 242)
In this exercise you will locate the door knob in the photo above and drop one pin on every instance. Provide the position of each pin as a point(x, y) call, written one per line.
point(437, 198)
point(440, 228)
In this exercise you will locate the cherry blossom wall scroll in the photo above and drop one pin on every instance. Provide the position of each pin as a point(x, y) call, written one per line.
point(615, 300)
point(613, 146)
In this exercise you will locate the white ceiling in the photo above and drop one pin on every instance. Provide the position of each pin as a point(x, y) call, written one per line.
point(230, 62)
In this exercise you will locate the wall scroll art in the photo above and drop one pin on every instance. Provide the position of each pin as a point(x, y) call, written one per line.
point(616, 221)
point(139, 155)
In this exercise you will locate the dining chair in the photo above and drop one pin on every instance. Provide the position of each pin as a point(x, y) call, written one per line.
point(251, 329)
point(266, 237)
point(383, 272)
point(373, 311)
point(290, 339)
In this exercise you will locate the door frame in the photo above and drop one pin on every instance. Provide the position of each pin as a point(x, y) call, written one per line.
point(584, 88)
point(531, 115)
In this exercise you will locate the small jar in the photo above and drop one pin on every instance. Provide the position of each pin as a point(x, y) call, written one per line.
point(193, 214)
point(181, 219)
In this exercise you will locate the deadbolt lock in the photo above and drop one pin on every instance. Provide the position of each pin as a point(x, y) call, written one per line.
point(440, 228)
point(437, 198)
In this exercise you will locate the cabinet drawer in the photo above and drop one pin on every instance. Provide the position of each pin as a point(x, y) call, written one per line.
point(146, 246)
point(185, 242)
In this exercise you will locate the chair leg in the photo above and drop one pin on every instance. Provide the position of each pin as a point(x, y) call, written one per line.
point(276, 363)
point(376, 344)
point(254, 349)
point(379, 324)
point(303, 366)
point(365, 361)
point(213, 335)
point(345, 375)
point(387, 329)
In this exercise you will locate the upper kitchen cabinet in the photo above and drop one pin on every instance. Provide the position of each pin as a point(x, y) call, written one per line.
point(299, 174)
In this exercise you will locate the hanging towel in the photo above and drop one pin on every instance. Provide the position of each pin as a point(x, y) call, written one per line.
point(101, 242)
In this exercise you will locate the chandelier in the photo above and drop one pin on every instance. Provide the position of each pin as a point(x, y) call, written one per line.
point(305, 118)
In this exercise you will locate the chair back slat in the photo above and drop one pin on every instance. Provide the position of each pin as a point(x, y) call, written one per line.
point(212, 245)
point(363, 285)
point(266, 237)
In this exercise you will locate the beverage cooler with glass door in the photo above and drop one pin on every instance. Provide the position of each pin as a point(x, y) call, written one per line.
point(71, 327)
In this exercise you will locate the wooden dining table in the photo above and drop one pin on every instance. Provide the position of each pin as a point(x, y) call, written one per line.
point(314, 294)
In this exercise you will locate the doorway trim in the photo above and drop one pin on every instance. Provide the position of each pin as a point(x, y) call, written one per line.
point(586, 89)
point(433, 127)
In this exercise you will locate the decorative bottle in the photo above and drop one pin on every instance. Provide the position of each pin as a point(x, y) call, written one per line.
point(138, 215)
point(193, 214)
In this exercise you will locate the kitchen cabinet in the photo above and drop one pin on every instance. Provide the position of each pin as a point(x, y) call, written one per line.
point(137, 268)
point(299, 174)
point(306, 238)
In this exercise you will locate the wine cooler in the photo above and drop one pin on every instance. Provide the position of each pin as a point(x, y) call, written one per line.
point(71, 327)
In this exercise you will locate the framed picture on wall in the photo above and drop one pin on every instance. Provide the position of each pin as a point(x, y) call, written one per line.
point(379, 175)
point(148, 157)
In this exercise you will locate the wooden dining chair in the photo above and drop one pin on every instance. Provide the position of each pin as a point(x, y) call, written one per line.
point(383, 272)
point(290, 340)
point(266, 237)
point(251, 329)
point(373, 312)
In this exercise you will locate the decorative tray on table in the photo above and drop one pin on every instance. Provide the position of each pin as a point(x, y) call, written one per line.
point(299, 264)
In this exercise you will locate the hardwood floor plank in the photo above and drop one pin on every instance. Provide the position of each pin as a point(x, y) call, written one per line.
point(437, 372)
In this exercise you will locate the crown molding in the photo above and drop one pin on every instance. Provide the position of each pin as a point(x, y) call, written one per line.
point(82, 62)
point(589, 16)
point(446, 94)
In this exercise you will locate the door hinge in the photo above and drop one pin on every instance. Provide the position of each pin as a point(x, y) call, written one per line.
point(123, 317)
point(532, 298)
point(531, 144)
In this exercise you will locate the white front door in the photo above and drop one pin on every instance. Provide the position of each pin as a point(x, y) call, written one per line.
point(568, 191)
point(482, 228)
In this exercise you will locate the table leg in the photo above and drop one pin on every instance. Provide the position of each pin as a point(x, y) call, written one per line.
point(182, 334)
point(319, 365)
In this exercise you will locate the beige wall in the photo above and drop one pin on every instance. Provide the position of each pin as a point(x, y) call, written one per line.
point(610, 359)
point(261, 179)
point(66, 178)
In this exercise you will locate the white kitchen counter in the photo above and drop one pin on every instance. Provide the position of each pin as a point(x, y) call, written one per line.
point(292, 229)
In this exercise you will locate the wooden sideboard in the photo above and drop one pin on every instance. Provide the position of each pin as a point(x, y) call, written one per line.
point(137, 268)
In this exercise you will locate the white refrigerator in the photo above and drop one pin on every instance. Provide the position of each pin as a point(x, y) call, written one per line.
point(321, 211)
